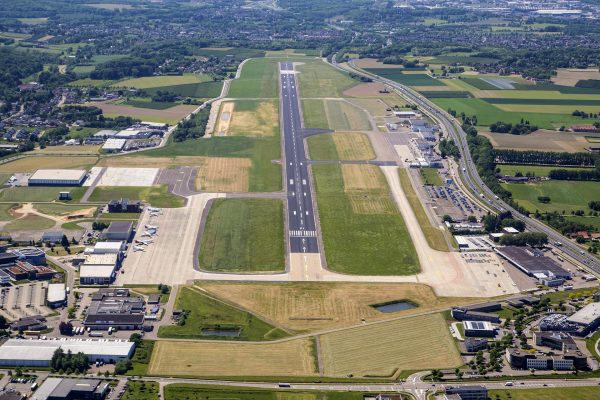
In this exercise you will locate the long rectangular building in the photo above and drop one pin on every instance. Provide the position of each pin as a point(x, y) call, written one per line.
point(57, 177)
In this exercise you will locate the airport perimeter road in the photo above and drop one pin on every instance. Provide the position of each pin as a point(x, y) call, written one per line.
point(302, 231)
point(469, 175)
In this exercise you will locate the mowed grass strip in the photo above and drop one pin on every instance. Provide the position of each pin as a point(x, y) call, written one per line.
point(383, 349)
point(318, 80)
point(564, 196)
point(30, 222)
point(435, 237)
point(363, 232)
point(38, 193)
point(341, 146)
point(205, 312)
point(563, 393)
point(157, 196)
point(32, 164)
point(197, 392)
point(344, 116)
point(243, 235)
point(196, 359)
point(258, 79)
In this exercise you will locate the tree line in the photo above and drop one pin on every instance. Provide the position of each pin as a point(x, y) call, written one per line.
point(546, 158)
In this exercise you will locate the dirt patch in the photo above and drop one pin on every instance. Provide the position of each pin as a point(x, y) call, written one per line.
point(261, 122)
point(353, 146)
point(170, 115)
point(224, 119)
point(362, 177)
point(570, 77)
point(373, 63)
point(156, 162)
point(542, 140)
point(372, 89)
point(222, 174)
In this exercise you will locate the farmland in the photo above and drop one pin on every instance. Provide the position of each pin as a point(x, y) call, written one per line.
point(384, 349)
point(170, 115)
point(304, 307)
point(158, 195)
point(363, 232)
point(205, 312)
point(162, 81)
point(197, 392)
point(289, 358)
point(409, 79)
point(565, 196)
point(243, 235)
point(340, 146)
point(542, 140)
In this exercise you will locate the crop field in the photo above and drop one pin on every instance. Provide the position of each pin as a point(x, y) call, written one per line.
point(32, 164)
point(201, 90)
point(254, 118)
point(224, 174)
point(586, 220)
point(563, 393)
point(564, 196)
point(535, 170)
point(161, 81)
point(289, 358)
point(38, 193)
point(153, 105)
point(157, 196)
point(265, 175)
point(363, 232)
point(398, 75)
point(258, 79)
point(340, 146)
point(570, 77)
point(243, 235)
point(304, 307)
point(544, 102)
point(169, 116)
point(542, 140)
point(384, 349)
point(205, 312)
point(197, 392)
point(29, 222)
point(369, 90)
point(318, 80)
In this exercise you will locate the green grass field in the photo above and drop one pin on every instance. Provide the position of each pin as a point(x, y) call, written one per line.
point(38, 193)
point(265, 176)
point(322, 147)
point(141, 390)
point(141, 358)
point(58, 208)
point(258, 79)
point(29, 223)
point(243, 235)
point(314, 114)
point(162, 81)
point(430, 176)
point(563, 393)
point(153, 105)
point(201, 90)
point(369, 243)
point(208, 313)
point(197, 392)
point(565, 195)
point(397, 75)
point(318, 79)
point(536, 170)
point(4, 211)
point(157, 196)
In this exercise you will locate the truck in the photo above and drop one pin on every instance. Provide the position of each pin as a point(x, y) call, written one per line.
point(96, 334)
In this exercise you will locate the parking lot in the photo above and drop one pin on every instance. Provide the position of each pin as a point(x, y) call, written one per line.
point(452, 202)
point(24, 300)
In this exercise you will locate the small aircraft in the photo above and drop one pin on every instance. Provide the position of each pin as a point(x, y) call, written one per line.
point(153, 227)
point(139, 248)
point(144, 242)
point(154, 209)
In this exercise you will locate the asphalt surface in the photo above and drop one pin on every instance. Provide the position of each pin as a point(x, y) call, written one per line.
point(302, 231)
point(470, 177)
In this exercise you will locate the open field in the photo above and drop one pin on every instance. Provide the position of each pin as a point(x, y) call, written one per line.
point(111, 6)
point(243, 235)
point(290, 358)
point(224, 174)
point(64, 210)
point(363, 232)
point(314, 115)
point(430, 176)
point(254, 118)
point(78, 150)
point(338, 115)
point(224, 118)
point(541, 140)
point(265, 175)
point(563, 393)
point(32, 164)
point(378, 107)
point(386, 348)
point(371, 89)
point(160, 81)
point(202, 90)
point(318, 79)
point(305, 307)
point(141, 391)
point(535, 170)
point(157, 196)
point(140, 161)
point(6, 211)
point(570, 77)
point(29, 222)
point(435, 237)
point(404, 78)
point(258, 79)
point(565, 195)
point(366, 63)
point(169, 116)
point(205, 312)
point(197, 392)
point(340, 146)
point(38, 193)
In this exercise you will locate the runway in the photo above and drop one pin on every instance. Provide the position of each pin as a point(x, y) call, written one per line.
point(302, 232)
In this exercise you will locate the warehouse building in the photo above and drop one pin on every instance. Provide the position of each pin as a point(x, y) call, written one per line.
point(534, 263)
point(119, 230)
point(52, 236)
point(33, 255)
point(115, 308)
point(56, 295)
point(587, 319)
point(106, 248)
point(99, 269)
point(57, 177)
point(114, 145)
point(71, 389)
point(467, 392)
point(38, 353)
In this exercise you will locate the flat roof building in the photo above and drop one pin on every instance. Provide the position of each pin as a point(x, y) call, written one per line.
point(91, 274)
point(71, 389)
point(107, 248)
point(588, 318)
point(114, 145)
point(533, 262)
point(479, 329)
point(56, 295)
point(119, 230)
point(116, 309)
point(57, 177)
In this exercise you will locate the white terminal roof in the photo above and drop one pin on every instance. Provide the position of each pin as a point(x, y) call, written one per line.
point(59, 174)
point(101, 259)
point(36, 349)
point(113, 144)
point(109, 246)
point(586, 315)
point(96, 271)
point(56, 292)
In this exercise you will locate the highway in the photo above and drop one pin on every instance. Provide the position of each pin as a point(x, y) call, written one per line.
point(302, 231)
point(468, 170)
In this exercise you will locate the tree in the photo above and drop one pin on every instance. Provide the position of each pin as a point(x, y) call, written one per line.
point(65, 328)
point(64, 242)
point(135, 338)
point(122, 366)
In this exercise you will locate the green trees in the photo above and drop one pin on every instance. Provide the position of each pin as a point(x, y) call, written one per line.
point(535, 239)
point(69, 362)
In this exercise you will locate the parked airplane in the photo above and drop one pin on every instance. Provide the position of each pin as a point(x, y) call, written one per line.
point(139, 248)
point(154, 227)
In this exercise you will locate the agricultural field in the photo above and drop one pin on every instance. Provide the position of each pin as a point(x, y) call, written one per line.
point(32, 164)
point(221, 359)
point(157, 196)
point(258, 79)
point(404, 78)
point(27, 194)
point(570, 77)
point(200, 90)
point(147, 82)
point(318, 80)
point(224, 174)
point(148, 103)
point(197, 392)
point(565, 196)
point(169, 116)
point(243, 235)
point(304, 307)
point(363, 232)
point(265, 176)
point(338, 115)
point(387, 348)
point(533, 170)
point(207, 313)
point(254, 118)
point(340, 146)
point(563, 393)
point(541, 140)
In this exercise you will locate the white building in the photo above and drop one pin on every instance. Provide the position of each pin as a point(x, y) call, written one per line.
point(92, 274)
point(114, 145)
point(106, 248)
point(57, 177)
point(56, 295)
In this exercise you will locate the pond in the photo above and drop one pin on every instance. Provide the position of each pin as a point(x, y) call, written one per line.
point(394, 306)
point(220, 332)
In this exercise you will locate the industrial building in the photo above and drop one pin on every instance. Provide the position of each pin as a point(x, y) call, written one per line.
point(124, 205)
point(113, 145)
point(473, 345)
point(99, 269)
point(479, 329)
point(526, 360)
point(33, 323)
point(33, 255)
point(38, 353)
point(56, 295)
point(119, 230)
point(466, 392)
point(534, 263)
point(71, 389)
point(587, 319)
point(106, 248)
point(115, 308)
point(477, 312)
point(57, 177)
point(52, 236)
